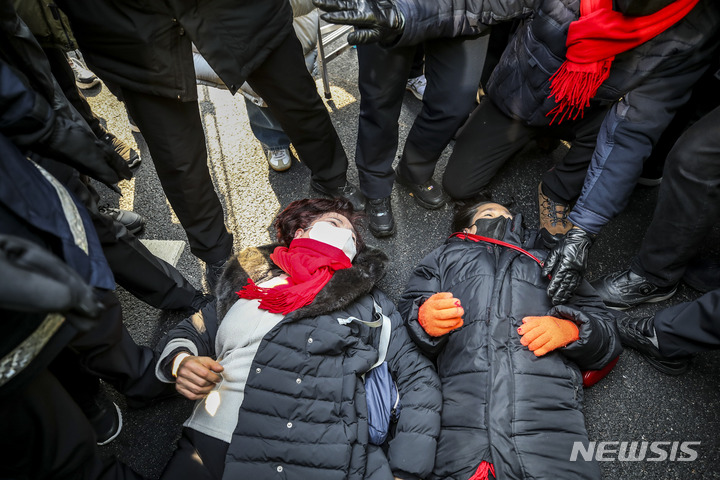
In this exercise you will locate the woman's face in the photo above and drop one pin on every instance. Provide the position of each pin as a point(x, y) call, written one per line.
point(332, 218)
point(487, 210)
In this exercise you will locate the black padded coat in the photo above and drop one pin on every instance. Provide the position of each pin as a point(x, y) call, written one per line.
point(501, 403)
point(304, 414)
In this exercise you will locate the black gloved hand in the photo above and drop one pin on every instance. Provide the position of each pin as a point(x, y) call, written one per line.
point(374, 20)
point(76, 146)
point(567, 263)
point(35, 280)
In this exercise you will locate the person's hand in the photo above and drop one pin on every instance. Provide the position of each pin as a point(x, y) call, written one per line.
point(440, 314)
point(35, 280)
point(78, 147)
point(544, 334)
point(567, 263)
point(196, 376)
point(374, 20)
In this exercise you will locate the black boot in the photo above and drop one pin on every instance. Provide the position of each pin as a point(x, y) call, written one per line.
point(380, 216)
point(348, 191)
point(428, 194)
point(639, 334)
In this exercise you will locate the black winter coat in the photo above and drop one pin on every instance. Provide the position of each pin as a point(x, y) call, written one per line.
point(520, 83)
point(501, 403)
point(327, 410)
point(145, 45)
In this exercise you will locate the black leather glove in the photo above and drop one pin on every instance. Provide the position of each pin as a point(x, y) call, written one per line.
point(567, 263)
point(76, 146)
point(374, 20)
point(34, 280)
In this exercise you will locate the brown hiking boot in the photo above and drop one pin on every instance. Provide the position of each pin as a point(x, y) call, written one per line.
point(553, 219)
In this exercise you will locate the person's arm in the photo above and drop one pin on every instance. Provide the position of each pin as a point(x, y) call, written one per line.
point(409, 22)
point(626, 138)
point(424, 282)
point(599, 340)
point(411, 450)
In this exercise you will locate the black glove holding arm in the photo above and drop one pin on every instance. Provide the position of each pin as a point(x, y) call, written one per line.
point(566, 264)
point(374, 20)
point(34, 280)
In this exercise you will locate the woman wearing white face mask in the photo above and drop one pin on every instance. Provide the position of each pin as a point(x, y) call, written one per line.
point(275, 366)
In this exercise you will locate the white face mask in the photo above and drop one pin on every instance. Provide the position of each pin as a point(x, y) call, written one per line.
point(341, 238)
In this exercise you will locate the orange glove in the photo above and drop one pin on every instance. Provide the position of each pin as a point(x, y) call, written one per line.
point(544, 334)
point(441, 314)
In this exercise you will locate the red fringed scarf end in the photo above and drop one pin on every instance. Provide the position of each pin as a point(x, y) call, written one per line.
point(483, 471)
point(573, 85)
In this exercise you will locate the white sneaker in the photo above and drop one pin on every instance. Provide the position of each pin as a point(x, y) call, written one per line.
point(84, 78)
point(279, 159)
point(417, 86)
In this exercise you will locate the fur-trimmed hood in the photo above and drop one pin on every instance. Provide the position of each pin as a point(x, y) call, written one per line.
point(344, 287)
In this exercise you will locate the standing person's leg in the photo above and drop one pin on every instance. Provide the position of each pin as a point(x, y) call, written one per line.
point(689, 327)
point(485, 143)
point(271, 135)
point(452, 69)
point(304, 118)
point(46, 435)
point(174, 133)
point(382, 75)
point(688, 204)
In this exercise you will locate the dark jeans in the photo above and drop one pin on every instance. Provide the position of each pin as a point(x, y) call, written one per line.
point(452, 71)
point(289, 90)
point(490, 138)
point(688, 204)
point(689, 327)
point(198, 457)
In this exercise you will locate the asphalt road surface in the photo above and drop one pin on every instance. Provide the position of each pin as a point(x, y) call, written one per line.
point(634, 403)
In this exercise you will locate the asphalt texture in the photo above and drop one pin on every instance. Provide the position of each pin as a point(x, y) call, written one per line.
point(633, 403)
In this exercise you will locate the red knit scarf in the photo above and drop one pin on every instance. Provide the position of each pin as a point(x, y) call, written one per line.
point(309, 264)
point(593, 41)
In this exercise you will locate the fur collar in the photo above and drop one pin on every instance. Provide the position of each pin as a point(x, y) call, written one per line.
point(344, 287)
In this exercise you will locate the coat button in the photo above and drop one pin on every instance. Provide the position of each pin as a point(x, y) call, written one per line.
point(279, 468)
point(258, 370)
point(310, 340)
point(289, 425)
point(298, 381)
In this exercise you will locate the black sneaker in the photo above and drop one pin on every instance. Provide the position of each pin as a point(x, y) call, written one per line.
point(213, 271)
point(130, 156)
point(105, 417)
point(621, 290)
point(703, 275)
point(639, 334)
point(132, 221)
point(380, 217)
point(348, 191)
point(428, 194)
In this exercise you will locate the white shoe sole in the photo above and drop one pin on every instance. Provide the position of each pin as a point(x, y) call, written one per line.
point(120, 424)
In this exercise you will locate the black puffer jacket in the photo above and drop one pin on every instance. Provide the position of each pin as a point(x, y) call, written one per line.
point(145, 45)
point(327, 409)
point(501, 403)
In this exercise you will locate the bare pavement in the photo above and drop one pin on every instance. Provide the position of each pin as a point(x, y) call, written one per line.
point(634, 403)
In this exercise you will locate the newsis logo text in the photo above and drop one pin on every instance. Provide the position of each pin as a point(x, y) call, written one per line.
point(659, 451)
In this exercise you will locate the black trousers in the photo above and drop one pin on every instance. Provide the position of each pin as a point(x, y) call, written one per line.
point(44, 432)
point(452, 69)
point(490, 138)
point(146, 276)
point(45, 435)
point(289, 90)
point(688, 204)
point(198, 457)
point(689, 327)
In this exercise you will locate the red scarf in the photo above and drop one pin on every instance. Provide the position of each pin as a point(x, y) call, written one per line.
point(309, 264)
point(593, 41)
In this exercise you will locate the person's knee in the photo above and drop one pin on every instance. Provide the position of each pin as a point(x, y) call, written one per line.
point(458, 189)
